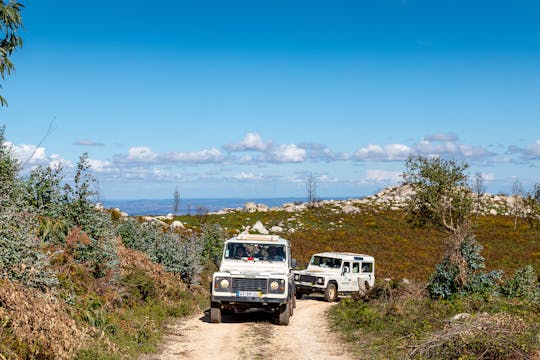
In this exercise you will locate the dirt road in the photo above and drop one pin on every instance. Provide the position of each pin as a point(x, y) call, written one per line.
point(251, 335)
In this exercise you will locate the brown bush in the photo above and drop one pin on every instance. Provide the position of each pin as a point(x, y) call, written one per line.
point(168, 283)
point(38, 323)
point(484, 336)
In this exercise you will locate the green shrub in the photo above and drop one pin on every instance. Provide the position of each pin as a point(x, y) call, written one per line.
point(140, 285)
point(523, 285)
point(177, 254)
point(443, 282)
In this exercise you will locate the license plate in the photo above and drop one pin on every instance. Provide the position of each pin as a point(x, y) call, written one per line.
point(249, 293)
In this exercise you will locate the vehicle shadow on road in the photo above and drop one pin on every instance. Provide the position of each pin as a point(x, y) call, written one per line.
point(248, 316)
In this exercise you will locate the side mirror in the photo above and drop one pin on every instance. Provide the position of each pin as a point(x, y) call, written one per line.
point(293, 263)
point(217, 260)
point(345, 269)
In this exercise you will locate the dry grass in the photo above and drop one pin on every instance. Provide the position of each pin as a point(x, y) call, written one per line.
point(38, 324)
point(483, 336)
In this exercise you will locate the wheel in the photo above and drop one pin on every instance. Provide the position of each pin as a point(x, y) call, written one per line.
point(330, 294)
point(299, 295)
point(215, 314)
point(283, 318)
point(292, 305)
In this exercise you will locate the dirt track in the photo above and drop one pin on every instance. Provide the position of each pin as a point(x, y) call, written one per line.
point(251, 335)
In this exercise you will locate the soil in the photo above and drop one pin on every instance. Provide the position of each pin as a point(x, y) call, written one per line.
point(252, 335)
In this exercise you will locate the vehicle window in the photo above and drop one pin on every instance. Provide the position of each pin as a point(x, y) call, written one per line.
point(253, 251)
point(348, 265)
point(356, 268)
point(367, 267)
point(324, 261)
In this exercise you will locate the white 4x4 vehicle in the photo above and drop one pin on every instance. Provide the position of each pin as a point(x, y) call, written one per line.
point(255, 272)
point(331, 273)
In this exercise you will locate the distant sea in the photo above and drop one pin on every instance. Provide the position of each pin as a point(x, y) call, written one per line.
point(191, 206)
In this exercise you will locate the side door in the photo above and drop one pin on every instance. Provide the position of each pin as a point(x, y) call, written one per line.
point(356, 276)
point(347, 282)
point(367, 270)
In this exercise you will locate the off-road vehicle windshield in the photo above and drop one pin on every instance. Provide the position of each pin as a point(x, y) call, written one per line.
point(326, 262)
point(254, 251)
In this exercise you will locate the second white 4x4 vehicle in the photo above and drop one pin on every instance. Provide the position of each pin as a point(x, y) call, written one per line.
point(332, 273)
point(255, 272)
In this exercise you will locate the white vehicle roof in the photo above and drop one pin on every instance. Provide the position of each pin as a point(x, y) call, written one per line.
point(346, 256)
point(271, 239)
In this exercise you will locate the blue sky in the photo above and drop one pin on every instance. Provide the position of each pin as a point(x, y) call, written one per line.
point(245, 98)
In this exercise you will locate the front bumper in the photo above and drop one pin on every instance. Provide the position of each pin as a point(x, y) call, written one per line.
point(307, 287)
point(248, 301)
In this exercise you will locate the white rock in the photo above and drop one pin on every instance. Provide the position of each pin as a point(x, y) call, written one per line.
point(460, 317)
point(177, 225)
point(170, 216)
point(493, 212)
point(99, 207)
point(276, 229)
point(250, 206)
point(349, 209)
point(260, 228)
point(123, 214)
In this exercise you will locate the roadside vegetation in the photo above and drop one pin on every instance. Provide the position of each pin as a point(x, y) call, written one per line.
point(76, 282)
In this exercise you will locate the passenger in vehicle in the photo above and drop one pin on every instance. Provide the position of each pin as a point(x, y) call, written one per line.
point(240, 252)
point(275, 254)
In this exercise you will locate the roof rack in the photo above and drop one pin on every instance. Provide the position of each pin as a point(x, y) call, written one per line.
point(244, 236)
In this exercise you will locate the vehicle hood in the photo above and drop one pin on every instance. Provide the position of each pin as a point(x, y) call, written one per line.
point(318, 272)
point(250, 268)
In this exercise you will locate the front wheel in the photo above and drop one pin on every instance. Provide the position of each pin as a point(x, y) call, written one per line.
point(215, 314)
point(330, 294)
point(284, 315)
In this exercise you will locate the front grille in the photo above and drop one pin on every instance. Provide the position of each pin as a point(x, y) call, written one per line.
point(243, 284)
point(308, 278)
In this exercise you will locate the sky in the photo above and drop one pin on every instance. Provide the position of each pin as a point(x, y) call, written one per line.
point(247, 98)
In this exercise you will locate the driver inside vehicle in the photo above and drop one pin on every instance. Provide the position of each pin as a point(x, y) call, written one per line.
point(240, 252)
point(275, 254)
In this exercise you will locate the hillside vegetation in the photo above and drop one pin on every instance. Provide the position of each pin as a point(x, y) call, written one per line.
point(76, 282)
point(79, 281)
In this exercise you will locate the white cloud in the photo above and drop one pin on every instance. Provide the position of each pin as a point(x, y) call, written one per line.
point(195, 157)
point(250, 142)
point(391, 152)
point(381, 176)
point(31, 156)
point(451, 149)
point(530, 152)
point(286, 153)
point(102, 166)
point(488, 176)
point(141, 154)
point(246, 176)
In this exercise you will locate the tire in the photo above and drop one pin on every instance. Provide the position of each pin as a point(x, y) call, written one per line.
point(330, 294)
point(292, 305)
point(215, 314)
point(283, 317)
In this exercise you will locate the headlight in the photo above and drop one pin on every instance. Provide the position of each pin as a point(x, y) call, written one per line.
point(222, 283)
point(320, 281)
point(296, 277)
point(274, 285)
point(277, 286)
